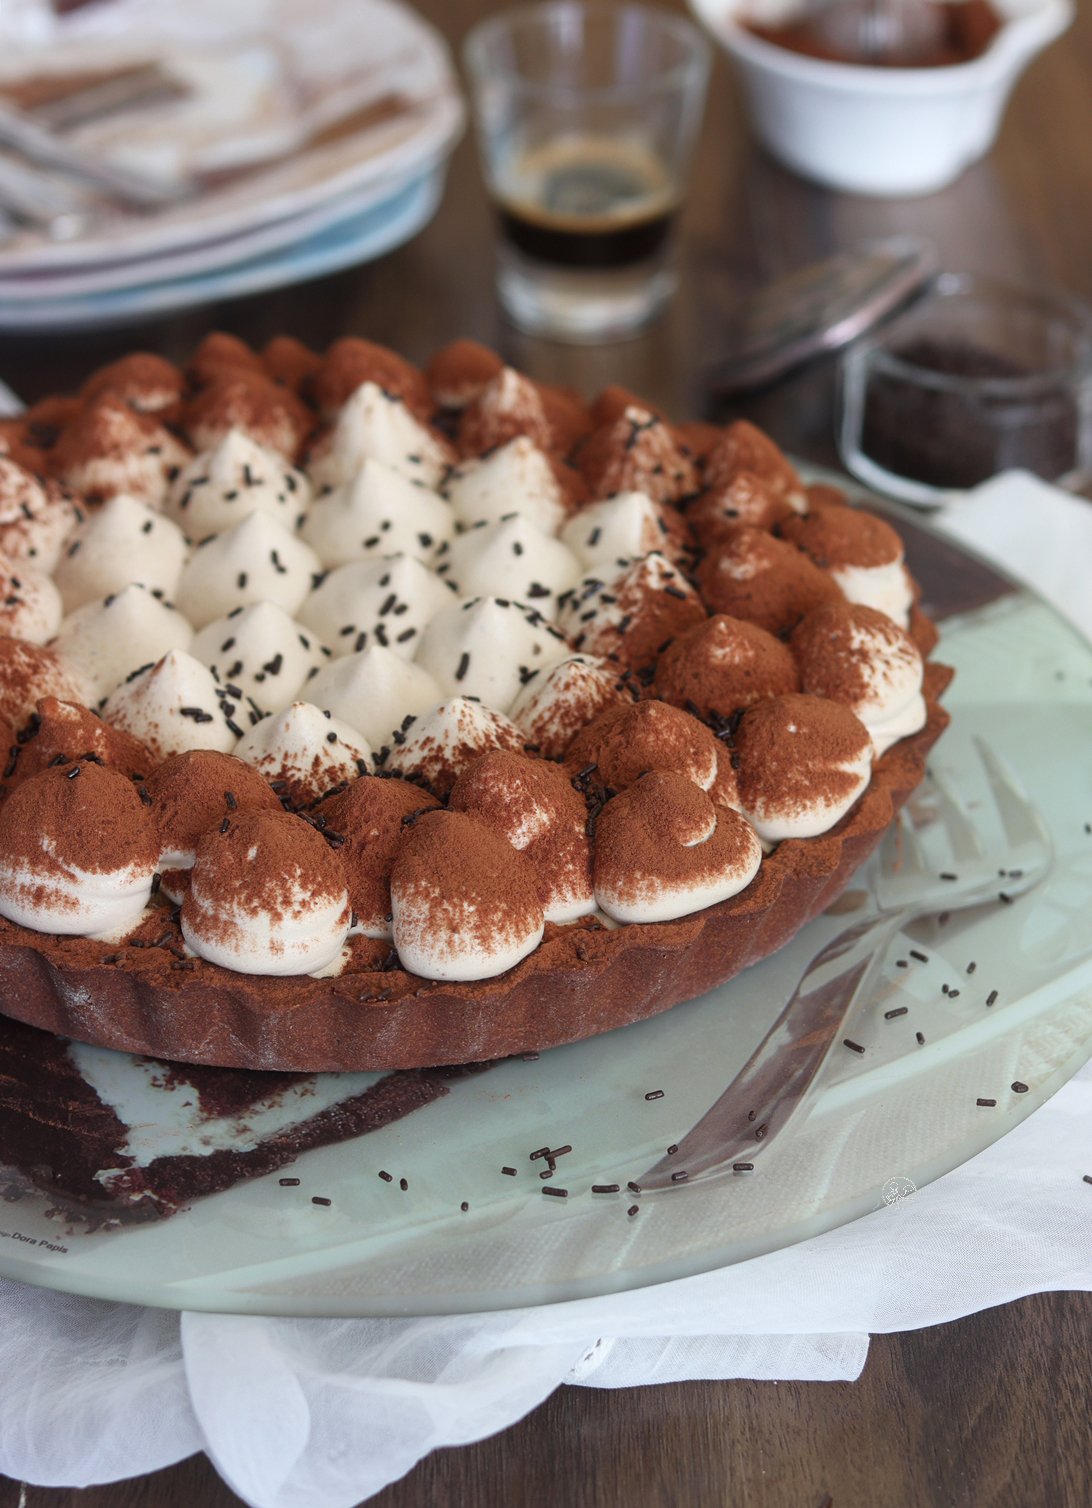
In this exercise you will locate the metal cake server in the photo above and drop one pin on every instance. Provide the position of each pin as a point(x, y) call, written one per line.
point(773, 1082)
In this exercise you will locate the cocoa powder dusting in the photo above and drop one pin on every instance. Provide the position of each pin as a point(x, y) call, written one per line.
point(373, 815)
point(723, 664)
point(745, 502)
point(194, 791)
point(66, 731)
point(764, 580)
point(532, 803)
point(795, 751)
point(627, 741)
point(743, 447)
point(58, 821)
point(259, 863)
point(843, 648)
point(27, 673)
point(835, 536)
point(637, 452)
point(454, 875)
point(665, 833)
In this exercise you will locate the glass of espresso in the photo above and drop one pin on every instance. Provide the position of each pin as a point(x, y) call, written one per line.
point(586, 117)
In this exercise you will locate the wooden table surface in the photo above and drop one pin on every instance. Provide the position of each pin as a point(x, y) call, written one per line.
point(994, 1409)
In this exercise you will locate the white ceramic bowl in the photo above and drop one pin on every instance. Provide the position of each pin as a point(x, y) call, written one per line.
point(882, 131)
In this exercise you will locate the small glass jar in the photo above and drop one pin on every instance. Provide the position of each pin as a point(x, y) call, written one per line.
point(974, 379)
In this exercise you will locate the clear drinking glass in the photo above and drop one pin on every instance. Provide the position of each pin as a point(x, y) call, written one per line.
point(586, 117)
point(974, 379)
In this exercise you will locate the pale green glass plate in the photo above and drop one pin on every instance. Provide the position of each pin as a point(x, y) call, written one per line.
point(899, 1110)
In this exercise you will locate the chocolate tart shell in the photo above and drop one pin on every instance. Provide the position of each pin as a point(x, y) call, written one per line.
point(580, 981)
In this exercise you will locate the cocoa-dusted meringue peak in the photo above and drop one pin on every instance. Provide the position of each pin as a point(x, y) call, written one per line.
point(637, 452)
point(261, 657)
point(724, 664)
point(77, 851)
point(629, 617)
point(36, 517)
point(110, 448)
point(304, 752)
point(124, 541)
point(625, 742)
point(237, 477)
point(386, 602)
point(350, 362)
point(560, 699)
point(259, 560)
point(376, 691)
point(443, 740)
point(147, 382)
point(802, 763)
point(372, 815)
point(465, 903)
point(764, 580)
point(743, 447)
point(664, 850)
point(510, 405)
point(190, 794)
point(862, 553)
point(460, 372)
point(271, 416)
point(487, 648)
point(27, 672)
point(30, 604)
point(379, 513)
point(104, 643)
point(858, 656)
point(173, 705)
point(532, 803)
point(517, 477)
point(744, 502)
point(66, 731)
point(267, 895)
point(374, 424)
point(514, 559)
point(618, 529)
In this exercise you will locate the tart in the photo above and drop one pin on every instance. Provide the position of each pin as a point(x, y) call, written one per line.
point(368, 718)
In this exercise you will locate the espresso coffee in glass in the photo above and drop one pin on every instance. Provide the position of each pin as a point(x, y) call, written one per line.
point(586, 118)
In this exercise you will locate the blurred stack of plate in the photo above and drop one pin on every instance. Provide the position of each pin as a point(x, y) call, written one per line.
point(284, 138)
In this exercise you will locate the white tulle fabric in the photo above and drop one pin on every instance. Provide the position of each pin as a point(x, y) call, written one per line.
point(322, 1414)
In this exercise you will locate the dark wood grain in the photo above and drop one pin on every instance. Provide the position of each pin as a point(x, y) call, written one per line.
point(994, 1409)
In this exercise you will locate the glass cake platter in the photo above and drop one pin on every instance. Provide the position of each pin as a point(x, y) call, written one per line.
point(932, 1061)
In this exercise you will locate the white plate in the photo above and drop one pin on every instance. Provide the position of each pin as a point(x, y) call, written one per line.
point(898, 1111)
point(361, 237)
point(359, 32)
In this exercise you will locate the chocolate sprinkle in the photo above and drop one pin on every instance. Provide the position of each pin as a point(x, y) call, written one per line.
point(654, 1094)
point(403, 1184)
point(558, 1193)
point(743, 1167)
point(921, 957)
point(991, 997)
point(634, 1188)
point(853, 1046)
point(921, 1039)
point(900, 1010)
point(674, 1147)
point(289, 1183)
point(605, 1188)
point(464, 1206)
point(633, 1209)
point(464, 666)
point(511, 1172)
point(679, 1177)
point(318, 1199)
point(1018, 1087)
point(988, 1103)
point(386, 1177)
